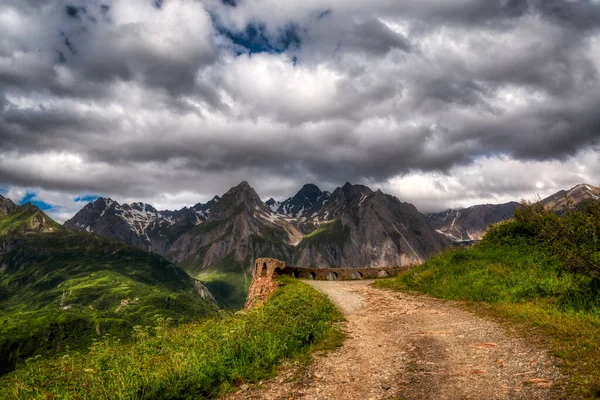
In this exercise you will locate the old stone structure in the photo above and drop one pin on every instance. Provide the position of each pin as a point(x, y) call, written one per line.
point(340, 274)
point(263, 283)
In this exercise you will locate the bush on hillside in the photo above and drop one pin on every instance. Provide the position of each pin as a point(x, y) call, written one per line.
point(572, 237)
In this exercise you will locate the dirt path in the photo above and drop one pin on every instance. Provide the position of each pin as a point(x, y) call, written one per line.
point(404, 346)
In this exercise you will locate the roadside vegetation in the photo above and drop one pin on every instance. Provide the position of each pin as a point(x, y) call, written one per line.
point(540, 270)
point(195, 360)
point(229, 287)
point(65, 288)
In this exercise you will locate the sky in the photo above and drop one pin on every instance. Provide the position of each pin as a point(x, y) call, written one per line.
point(440, 103)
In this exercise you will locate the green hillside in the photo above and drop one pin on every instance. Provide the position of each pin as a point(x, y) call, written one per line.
point(540, 271)
point(192, 361)
point(27, 219)
point(61, 288)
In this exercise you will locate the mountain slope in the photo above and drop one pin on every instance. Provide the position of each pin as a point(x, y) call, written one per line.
point(139, 224)
point(24, 219)
point(351, 227)
point(221, 250)
point(576, 195)
point(239, 228)
point(60, 287)
point(6, 206)
point(300, 204)
point(468, 224)
point(361, 228)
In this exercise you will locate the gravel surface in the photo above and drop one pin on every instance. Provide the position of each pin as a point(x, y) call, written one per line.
point(406, 346)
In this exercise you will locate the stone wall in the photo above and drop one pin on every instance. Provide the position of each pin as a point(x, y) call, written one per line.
point(341, 274)
point(263, 283)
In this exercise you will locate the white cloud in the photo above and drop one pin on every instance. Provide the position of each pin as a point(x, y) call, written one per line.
point(494, 180)
point(442, 103)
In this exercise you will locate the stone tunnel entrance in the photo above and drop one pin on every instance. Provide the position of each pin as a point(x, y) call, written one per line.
point(264, 270)
point(356, 275)
point(267, 267)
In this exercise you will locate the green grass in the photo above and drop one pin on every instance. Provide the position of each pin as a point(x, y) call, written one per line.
point(523, 280)
point(64, 289)
point(229, 288)
point(197, 360)
point(335, 233)
point(23, 219)
point(321, 229)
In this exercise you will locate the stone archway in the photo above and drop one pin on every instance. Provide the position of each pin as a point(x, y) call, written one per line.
point(383, 274)
point(296, 274)
point(356, 275)
point(263, 272)
point(311, 275)
point(332, 276)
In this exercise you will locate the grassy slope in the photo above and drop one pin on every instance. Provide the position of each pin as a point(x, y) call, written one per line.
point(198, 360)
point(64, 288)
point(334, 233)
point(229, 288)
point(22, 219)
point(521, 282)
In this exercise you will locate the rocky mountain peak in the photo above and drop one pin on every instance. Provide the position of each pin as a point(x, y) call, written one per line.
point(470, 224)
point(584, 188)
point(572, 197)
point(207, 206)
point(349, 194)
point(310, 192)
point(6, 206)
point(28, 218)
point(242, 195)
point(300, 204)
point(102, 204)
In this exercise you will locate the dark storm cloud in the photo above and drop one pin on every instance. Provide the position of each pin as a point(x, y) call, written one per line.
point(579, 14)
point(374, 37)
point(147, 97)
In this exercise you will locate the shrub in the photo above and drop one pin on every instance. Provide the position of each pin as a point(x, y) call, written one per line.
point(572, 237)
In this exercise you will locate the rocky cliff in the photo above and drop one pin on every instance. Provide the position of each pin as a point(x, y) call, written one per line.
point(470, 224)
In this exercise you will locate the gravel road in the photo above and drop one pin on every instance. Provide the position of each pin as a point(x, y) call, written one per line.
point(406, 346)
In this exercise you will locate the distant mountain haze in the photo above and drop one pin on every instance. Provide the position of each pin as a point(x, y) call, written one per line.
point(470, 224)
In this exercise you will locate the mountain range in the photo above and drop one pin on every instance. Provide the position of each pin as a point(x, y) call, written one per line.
point(466, 225)
point(570, 198)
point(351, 226)
point(470, 224)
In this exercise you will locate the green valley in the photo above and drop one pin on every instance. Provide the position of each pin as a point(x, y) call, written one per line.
point(62, 289)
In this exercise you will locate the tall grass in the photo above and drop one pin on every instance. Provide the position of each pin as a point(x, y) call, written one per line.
point(199, 360)
point(539, 271)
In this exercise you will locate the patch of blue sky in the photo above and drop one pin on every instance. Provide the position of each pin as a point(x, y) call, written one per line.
point(31, 198)
point(255, 38)
point(86, 198)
